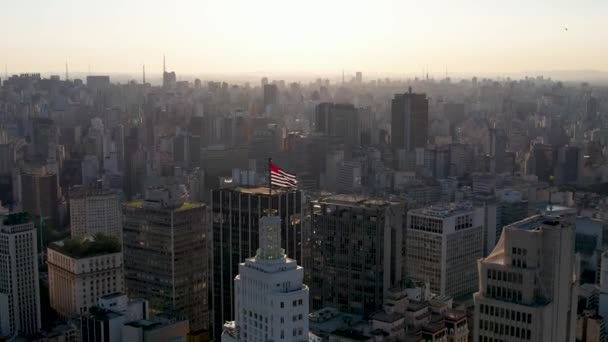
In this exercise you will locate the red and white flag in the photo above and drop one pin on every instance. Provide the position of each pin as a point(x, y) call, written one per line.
point(281, 178)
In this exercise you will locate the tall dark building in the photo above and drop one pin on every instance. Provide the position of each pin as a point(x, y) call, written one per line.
point(236, 213)
point(568, 164)
point(165, 255)
point(40, 196)
point(271, 95)
point(340, 121)
point(357, 252)
point(409, 121)
point(44, 139)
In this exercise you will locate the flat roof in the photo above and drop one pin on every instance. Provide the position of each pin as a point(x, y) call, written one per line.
point(358, 201)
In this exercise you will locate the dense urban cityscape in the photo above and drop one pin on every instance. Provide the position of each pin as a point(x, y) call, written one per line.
point(344, 207)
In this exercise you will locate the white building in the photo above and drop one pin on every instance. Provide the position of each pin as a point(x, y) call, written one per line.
point(19, 287)
point(528, 285)
point(443, 244)
point(94, 209)
point(81, 272)
point(107, 321)
point(271, 302)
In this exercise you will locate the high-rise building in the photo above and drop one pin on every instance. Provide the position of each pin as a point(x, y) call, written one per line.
point(340, 121)
point(270, 299)
point(165, 249)
point(82, 271)
point(236, 214)
point(443, 244)
point(528, 285)
point(271, 95)
point(357, 252)
point(40, 196)
point(95, 209)
point(409, 121)
point(19, 287)
point(45, 138)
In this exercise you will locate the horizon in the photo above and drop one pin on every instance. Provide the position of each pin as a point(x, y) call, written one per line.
point(383, 37)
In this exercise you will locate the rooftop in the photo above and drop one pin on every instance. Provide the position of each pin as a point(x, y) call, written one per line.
point(358, 201)
point(182, 207)
point(444, 210)
point(15, 219)
point(88, 247)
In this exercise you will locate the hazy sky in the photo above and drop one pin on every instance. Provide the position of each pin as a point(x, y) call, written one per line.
point(312, 36)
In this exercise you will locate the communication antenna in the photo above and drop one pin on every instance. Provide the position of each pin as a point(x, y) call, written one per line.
point(67, 74)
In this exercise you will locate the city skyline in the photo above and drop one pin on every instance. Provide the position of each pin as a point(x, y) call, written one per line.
point(238, 36)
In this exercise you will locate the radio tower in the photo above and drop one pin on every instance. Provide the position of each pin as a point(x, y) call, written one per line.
point(67, 74)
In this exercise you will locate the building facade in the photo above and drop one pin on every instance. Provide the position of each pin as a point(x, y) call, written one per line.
point(19, 287)
point(271, 301)
point(357, 252)
point(81, 272)
point(409, 121)
point(165, 249)
point(528, 285)
point(443, 244)
point(93, 210)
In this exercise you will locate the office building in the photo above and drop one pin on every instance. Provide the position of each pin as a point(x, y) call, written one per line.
point(40, 196)
point(45, 138)
point(82, 271)
point(165, 249)
point(443, 243)
point(528, 285)
point(340, 121)
point(271, 95)
point(19, 287)
point(357, 252)
point(236, 214)
point(271, 301)
point(409, 121)
point(95, 209)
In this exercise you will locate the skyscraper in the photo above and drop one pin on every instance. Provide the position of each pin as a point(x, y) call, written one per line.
point(40, 196)
point(165, 251)
point(357, 245)
point(19, 287)
point(271, 95)
point(340, 121)
point(409, 121)
point(528, 284)
point(236, 213)
point(94, 209)
point(271, 301)
point(443, 244)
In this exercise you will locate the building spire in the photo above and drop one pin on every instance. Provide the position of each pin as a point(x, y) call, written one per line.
point(67, 74)
point(144, 74)
point(270, 239)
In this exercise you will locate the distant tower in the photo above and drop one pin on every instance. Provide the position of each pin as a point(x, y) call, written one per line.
point(144, 74)
point(67, 74)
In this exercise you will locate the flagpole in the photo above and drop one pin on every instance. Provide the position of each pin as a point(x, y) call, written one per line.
point(269, 187)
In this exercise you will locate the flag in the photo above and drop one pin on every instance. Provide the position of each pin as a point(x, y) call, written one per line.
point(281, 178)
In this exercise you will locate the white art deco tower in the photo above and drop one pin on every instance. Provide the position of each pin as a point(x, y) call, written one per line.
point(271, 302)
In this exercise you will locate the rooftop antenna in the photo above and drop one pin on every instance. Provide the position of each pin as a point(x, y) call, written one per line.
point(67, 74)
